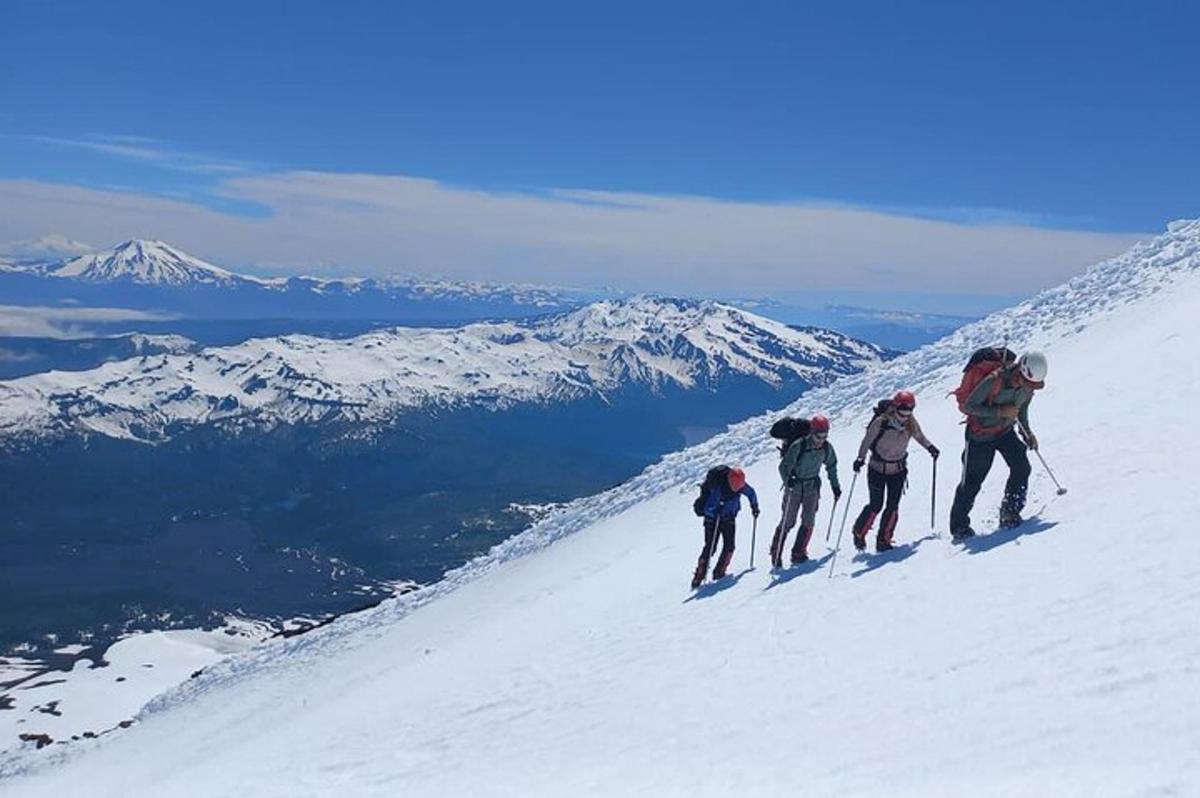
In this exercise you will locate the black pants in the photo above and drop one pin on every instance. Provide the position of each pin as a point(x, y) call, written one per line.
point(726, 531)
point(891, 484)
point(880, 485)
point(977, 462)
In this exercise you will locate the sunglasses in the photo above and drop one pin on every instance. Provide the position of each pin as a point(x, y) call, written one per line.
point(904, 408)
point(820, 435)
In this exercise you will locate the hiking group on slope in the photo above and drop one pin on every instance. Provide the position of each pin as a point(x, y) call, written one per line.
point(994, 395)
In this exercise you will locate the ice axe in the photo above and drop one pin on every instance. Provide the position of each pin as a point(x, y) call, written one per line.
point(1025, 436)
point(1045, 465)
point(753, 537)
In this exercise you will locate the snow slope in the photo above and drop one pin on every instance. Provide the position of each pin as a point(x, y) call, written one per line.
point(1057, 659)
point(595, 351)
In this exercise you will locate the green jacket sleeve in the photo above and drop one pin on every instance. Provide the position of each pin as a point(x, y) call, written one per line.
point(1023, 416)
point(831, 468)
point(977, 402)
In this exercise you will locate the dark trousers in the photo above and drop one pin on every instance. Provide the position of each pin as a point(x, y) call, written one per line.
point(977, 462)
point(892, 484)
point(726, 531)
point(880, 485)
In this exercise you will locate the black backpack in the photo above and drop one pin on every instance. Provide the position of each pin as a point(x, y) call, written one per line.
point(789, 430)
point(717, 475)
point(991, 354)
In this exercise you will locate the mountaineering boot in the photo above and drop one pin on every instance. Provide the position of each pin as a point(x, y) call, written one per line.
point(722, 566)
point(698, 577)
point(800, 550)
point(1010, 509)
point(1010, 519)
point(862, 525)
point(883, 541)
point(961, 534)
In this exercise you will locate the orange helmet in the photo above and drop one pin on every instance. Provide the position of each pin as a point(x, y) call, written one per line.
point(737, 479)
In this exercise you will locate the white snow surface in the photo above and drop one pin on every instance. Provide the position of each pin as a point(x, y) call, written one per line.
point(1057, 659)
point(95, 696)
point(591, 352)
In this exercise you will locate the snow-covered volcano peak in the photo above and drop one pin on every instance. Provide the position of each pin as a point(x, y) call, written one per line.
point(146, 262)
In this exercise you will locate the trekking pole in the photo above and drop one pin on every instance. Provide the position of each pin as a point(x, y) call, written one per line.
point(933, 501)
point(842, 529)
point(753, 538)
point(1045, 465)
point(832, 515)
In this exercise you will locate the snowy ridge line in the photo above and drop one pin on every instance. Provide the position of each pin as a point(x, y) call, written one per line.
point(1058, 312)
point(592, 352)
point(157, 263)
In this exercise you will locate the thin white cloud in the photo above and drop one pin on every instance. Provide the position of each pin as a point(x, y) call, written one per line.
point(372, 224)
point(150, 151)
point(54, 322)
point(48, 247)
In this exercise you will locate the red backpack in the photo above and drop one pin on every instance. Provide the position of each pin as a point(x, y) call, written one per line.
point(982, 363)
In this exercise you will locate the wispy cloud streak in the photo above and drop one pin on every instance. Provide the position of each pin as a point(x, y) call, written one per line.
point(364, 223)
point(150, 151)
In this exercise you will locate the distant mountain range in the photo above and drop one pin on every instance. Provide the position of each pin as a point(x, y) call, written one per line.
point(142, 274)
point(596, 351)
point(21, 357)
point(295, 475)
point(154, 276)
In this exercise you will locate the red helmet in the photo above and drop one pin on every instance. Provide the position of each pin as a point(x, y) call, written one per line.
point(818, 423)
point(737, 479)
point(905, 400)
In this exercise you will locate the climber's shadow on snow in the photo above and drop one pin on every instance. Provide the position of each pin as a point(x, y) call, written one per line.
point(713, 588)
point(981, 543)
point(871, 562)
point(785, 575)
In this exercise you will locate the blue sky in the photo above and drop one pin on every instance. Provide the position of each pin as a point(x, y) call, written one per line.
point(1066, 118)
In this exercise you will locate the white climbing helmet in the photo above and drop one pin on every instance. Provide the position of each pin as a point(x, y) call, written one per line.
point(1033, 366)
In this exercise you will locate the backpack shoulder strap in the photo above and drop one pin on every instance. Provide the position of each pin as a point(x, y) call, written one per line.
point(799, 452)
point(883, 425)
point(998, 381)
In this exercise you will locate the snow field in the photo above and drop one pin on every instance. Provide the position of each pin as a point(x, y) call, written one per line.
point(1057, 659)
point(95, 699)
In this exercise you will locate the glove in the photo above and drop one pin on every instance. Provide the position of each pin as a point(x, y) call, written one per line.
point(791, 482)
point(1031, 441)
point(857, 466)
point(934, 451)
point(837, 494)
point(754, 512)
